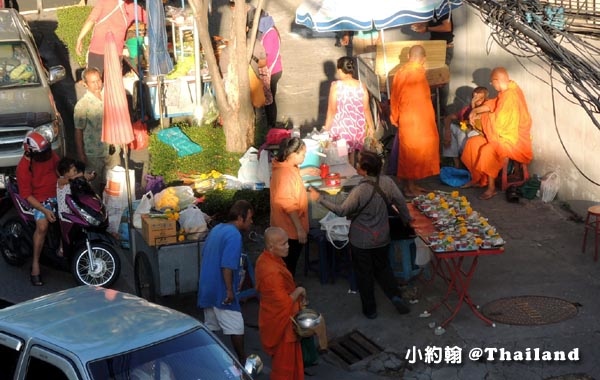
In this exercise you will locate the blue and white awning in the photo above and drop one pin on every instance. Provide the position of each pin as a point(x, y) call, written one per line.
point(338, 15)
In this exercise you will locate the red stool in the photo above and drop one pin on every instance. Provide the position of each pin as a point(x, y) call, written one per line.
point(517, 176)
point(592, 222)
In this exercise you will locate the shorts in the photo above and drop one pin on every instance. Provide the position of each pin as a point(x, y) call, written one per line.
point(49, 204)
point(230, 321)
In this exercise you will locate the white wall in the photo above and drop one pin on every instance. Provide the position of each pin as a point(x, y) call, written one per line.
point(474, 50)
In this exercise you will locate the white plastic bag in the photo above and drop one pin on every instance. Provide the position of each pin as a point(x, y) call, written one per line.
point(193, 221)
point(248, 172)
point(423, 256)
point(336, 152)
point(146, 204)
point(549, 186)
point(337, 229)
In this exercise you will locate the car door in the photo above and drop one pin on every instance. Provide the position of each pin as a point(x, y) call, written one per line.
point(43, 363)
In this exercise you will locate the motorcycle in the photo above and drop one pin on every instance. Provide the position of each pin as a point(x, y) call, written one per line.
point(88, 249)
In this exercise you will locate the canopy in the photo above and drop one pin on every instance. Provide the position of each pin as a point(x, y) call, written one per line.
point(356, 15)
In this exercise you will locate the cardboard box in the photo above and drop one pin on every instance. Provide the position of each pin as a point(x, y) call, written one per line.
point(158, 231)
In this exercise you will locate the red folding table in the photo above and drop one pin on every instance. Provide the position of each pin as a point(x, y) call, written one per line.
point(456, 268)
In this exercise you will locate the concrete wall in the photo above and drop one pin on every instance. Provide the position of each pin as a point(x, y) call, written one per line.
point(556, 119)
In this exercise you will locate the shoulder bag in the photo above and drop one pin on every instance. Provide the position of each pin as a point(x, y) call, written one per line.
point(399, 229)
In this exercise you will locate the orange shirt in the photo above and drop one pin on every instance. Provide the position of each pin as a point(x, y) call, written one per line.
point(288, 194)
point(412, 112)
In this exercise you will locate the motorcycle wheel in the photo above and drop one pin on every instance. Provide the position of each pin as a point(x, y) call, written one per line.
point(143, 277)
point(103, 271)
point(16, 248)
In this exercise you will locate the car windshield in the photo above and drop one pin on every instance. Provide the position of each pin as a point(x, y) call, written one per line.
point(16, 65)
point(195, 355)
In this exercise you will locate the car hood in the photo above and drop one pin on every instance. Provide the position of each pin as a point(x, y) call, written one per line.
point(26, 99)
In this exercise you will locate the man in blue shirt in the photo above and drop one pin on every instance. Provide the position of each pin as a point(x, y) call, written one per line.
point(219, 276)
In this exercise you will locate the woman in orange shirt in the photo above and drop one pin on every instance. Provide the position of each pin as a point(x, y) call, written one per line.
point(289, 202)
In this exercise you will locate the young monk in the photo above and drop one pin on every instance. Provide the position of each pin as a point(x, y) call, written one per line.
point(280, 300)
point(412, 113)
point(506, 123)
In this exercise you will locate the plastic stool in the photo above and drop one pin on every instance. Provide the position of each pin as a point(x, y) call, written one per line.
point(510, 179)
point(592, 222)
point(408, 249)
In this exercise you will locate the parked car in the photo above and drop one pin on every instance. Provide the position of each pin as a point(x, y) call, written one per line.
point(96, 333)
point(26, 102)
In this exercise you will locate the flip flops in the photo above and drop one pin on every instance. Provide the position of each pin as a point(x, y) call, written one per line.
point(485, 196)
point(36, 280)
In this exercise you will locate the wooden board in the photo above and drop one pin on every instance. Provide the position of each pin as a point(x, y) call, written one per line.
point(396, 54)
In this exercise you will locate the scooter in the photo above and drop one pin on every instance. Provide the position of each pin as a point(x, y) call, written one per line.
point(88, 249)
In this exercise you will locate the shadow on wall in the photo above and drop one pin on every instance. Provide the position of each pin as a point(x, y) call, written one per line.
point(329, 69)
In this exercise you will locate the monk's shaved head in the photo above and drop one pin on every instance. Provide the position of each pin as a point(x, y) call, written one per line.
point(500, 78)
point(273, 236)
point(416, 52)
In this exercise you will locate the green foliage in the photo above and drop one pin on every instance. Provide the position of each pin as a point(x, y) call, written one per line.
point(70, 23)
point(217, 203)
point(164, 160)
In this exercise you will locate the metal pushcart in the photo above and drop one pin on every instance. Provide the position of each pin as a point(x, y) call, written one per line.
point(172, 269)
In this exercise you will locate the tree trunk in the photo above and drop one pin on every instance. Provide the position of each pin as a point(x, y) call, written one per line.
point(235, 106)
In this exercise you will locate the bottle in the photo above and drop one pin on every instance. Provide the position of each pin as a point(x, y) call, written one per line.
point(324, 170)
point(296, 131)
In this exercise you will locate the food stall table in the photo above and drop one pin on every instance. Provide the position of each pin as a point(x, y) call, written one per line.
point(456, 268)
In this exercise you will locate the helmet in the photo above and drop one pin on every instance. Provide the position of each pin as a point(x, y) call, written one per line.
point(35, 143)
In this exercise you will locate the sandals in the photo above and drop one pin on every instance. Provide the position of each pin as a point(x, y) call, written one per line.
point(36, 280)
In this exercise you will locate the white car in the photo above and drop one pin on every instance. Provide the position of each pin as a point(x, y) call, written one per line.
point(96, 333)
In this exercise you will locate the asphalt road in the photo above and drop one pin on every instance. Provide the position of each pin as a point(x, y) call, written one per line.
point(31, 5)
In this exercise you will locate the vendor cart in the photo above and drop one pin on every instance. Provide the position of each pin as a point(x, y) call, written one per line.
point(171, 269)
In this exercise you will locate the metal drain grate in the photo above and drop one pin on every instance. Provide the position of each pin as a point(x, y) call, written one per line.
point(352, 348)
point(529, 310)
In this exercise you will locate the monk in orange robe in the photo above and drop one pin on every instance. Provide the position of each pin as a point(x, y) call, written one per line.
point(507, 126)
point(280, 300)
point(412, 113)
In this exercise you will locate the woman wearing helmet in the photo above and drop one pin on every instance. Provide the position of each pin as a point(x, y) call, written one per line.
point(39, 162)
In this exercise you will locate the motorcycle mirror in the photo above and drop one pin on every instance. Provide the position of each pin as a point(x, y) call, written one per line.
point(254, 364)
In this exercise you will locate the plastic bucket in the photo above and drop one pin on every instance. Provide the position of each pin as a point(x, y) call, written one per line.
point(312, 158)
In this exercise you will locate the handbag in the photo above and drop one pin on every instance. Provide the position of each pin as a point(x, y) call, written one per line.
point(399, 229)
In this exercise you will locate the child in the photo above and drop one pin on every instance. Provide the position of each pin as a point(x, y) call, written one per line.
point(68, 169)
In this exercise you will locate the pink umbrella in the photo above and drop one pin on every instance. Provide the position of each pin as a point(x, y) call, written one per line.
point(116, 125)
point(116, 122)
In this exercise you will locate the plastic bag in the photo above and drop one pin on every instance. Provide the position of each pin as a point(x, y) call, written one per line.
point(549, 186)
point(209, 107)
point(193, 221)
point(454, 177)
point(173, 198)
point(146, 204)
point(337, 229)
point(248, 172)
point(140, 136)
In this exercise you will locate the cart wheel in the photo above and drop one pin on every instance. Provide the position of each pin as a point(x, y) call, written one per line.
point(144, 280)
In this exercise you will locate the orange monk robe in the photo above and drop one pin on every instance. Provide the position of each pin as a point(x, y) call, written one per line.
point(288, 194)
point(508, 131)
point(412, 112)
point(274, 282)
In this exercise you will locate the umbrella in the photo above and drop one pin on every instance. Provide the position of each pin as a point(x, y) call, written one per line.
point(160, 61)
point(357, 15)
point(116, 122)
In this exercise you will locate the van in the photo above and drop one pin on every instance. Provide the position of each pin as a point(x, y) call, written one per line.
point(26, 102)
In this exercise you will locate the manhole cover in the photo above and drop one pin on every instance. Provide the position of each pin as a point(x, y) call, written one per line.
point(353, 347)
point(529, 310)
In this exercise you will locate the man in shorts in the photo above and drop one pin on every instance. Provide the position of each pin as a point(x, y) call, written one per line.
point(219, 276)
point(39, 162)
